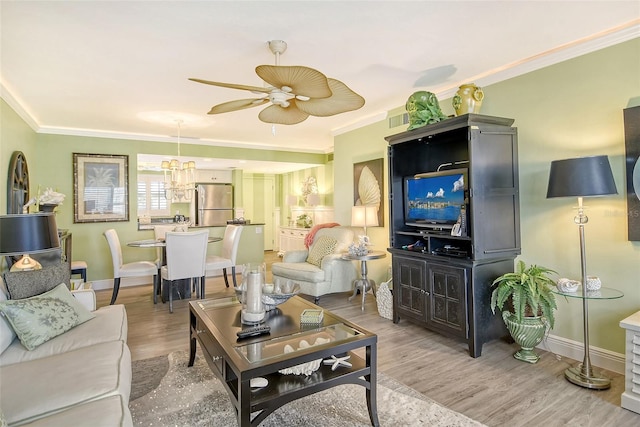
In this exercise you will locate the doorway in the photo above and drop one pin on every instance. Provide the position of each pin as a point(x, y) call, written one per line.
point(259, 199)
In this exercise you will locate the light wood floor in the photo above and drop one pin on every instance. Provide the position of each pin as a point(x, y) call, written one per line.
point(494, 389)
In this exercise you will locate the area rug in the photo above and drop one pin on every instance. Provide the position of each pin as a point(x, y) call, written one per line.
point(165, 392)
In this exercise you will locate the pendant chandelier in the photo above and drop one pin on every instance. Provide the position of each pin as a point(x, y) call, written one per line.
point(179, 178)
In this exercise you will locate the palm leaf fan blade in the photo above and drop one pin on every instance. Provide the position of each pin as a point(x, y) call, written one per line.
point(302, 80)
point(276, 114)
point(342, 100)
point(239, 104)
point(234, 86)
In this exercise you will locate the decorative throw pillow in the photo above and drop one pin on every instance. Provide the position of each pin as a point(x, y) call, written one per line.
point(323, 246)
point(25, 284)
point(38, 319)
point(6, 331)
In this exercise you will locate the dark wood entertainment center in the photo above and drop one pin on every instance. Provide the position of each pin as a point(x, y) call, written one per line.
point(444, 282)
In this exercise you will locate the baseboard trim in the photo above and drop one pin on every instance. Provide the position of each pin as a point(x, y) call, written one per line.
point(143, 280)
point(601, 358)
point(124, 283)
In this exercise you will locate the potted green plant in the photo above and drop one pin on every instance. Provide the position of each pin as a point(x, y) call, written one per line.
point(527, 305)
point(304, 220)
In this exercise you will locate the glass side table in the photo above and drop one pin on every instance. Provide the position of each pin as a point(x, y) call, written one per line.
point(583, 374)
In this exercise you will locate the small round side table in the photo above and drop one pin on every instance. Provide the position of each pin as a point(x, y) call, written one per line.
point(583, 374)
point(363, 284)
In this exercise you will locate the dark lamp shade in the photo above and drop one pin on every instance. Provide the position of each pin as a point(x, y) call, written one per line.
point(581, 177)
point(28, 234)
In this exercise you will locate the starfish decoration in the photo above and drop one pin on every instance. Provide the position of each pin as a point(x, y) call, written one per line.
point(338, 361)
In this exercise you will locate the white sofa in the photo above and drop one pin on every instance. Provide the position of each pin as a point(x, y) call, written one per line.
point(332, 275)
point(79, 378)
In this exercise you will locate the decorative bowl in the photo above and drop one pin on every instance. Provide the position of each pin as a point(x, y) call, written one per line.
point(272, 300)
point(567, 285)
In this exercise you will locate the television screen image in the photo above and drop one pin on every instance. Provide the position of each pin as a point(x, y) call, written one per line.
point(435, 199)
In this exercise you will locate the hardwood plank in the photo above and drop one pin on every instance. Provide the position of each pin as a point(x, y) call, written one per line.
point(495, 389)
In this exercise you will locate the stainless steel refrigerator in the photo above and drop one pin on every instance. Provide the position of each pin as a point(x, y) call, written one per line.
point(214, 204)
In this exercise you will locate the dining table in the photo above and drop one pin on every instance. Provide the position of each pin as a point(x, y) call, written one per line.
point(183, 289)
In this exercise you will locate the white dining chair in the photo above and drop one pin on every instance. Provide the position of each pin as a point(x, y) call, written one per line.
point(130, 269)
point(228, 256)
point(186, 254)
point(159, 232)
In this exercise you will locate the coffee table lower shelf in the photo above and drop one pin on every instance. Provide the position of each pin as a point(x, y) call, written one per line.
point(283, 389)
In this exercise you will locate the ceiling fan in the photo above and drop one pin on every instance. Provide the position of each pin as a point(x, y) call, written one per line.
point(295, 93)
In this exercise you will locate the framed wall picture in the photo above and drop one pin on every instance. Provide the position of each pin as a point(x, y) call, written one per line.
point(100, 188)
point(632, 166)
point(368, 186)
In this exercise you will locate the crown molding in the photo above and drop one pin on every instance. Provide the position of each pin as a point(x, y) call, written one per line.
point(25, 115)
point(574, 49)
point(371, 119)
point(96, 133)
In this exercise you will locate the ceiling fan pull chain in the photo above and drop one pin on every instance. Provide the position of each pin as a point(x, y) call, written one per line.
point(179, 128)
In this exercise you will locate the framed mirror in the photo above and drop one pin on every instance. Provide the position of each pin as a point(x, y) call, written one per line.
point(17, 183)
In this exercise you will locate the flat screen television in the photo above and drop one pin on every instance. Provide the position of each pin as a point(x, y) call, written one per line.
point(435, 199)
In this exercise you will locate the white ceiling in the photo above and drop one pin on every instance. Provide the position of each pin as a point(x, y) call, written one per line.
point(103, 67)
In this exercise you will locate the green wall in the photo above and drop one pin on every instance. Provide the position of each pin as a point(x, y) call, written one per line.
point(50, 163)
point(570, 109)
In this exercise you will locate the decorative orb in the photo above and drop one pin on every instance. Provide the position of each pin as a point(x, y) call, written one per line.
point(593, 283)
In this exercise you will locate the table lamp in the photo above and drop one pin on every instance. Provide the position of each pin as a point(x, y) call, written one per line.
point(313, 199)
point(24, 234)
point(582, 177)
point(364, 216)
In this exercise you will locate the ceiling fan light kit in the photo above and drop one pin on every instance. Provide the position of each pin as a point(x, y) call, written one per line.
point(295, 93)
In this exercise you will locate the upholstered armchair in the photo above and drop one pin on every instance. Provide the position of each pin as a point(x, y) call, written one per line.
point(320, 270)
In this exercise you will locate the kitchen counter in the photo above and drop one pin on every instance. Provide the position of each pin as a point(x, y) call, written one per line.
point(156, 221)
point(170, 220)
point(165, 222)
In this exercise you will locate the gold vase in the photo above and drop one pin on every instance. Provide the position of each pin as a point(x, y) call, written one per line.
point(468, 99)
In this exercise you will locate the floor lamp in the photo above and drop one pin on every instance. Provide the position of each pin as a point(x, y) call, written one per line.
point(582, 177)
point(24, 234)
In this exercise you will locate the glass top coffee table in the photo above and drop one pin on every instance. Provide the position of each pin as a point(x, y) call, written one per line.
point(214, 323)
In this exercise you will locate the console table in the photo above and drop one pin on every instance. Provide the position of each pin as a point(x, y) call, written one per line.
point(291, 239)
point(583, 373)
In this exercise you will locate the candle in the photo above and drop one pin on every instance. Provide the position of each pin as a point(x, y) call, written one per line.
point(252, 308)
point(254, 297)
